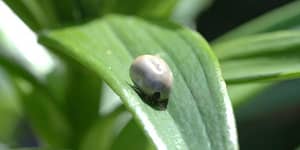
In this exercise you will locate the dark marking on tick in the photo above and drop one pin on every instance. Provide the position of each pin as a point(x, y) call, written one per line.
point(152, 100)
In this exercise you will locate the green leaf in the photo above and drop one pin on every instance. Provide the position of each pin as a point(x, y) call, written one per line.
point(67, 85)
point(82, 100)
point(14, 62)
point(186, 11)
point(282, 96)
point(103, 132)
point(261, 57)
point(240, 93)
point(149, 8)
point(46, 14)
point(67, 11)
point(199, 114)
point(47, 120)
point(38, 149)
point(10, 110)
point(285, 17)
point(38, 14)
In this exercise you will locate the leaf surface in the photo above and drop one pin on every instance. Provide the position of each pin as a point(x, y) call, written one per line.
point(199, 114)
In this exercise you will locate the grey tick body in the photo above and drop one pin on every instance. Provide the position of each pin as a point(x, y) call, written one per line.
point(152, 76)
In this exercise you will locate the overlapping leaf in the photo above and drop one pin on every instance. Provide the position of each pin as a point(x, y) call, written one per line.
point(260, 57)
point(283, 18)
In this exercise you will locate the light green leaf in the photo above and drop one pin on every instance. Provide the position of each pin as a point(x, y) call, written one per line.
point(186, 11)
point(14, 62)
point(38, 14)
point(261, 57)
point(285, 17)
point(199, 114)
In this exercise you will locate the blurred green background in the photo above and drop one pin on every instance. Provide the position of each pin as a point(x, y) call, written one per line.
point(271, 120)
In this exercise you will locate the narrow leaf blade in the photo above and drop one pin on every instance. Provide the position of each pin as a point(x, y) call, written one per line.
point(266, 56)
point(285, 17)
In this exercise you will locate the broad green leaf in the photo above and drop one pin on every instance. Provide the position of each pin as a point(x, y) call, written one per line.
point(266, 56)
point(285, 17)
point(199, 114)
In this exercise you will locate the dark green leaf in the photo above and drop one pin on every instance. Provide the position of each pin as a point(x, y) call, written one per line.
point(47, 120)
point(45, 14)
point(285, 17)
point(82, 100)
point(10, 110)
point(67, 11)
point(240, 93)
point(38, 149)
point(198, 105)
point(273, 99)
point(102, 133)
point(149, 8)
